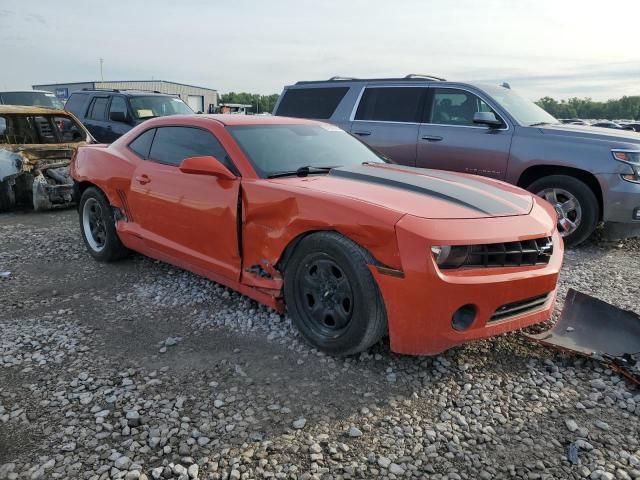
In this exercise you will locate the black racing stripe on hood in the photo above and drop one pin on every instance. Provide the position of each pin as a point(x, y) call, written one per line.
point(470, 181)
point(423, 184)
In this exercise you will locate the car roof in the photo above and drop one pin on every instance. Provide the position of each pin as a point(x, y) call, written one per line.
point(231, 120)
point(25, 91)
point(24, 109)
point(129, 93)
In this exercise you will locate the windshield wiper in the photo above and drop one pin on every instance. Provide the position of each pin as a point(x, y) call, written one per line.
point(540, 124)
point(301, 172)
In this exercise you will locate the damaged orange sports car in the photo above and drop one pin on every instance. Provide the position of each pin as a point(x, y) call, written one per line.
point(300, 214)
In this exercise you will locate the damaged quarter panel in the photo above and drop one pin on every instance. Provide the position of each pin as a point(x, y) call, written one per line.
point(278, 211)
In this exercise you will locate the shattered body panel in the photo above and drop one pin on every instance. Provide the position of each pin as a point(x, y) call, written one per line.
point(596, 329)
point(32, 174)
point(241, 230)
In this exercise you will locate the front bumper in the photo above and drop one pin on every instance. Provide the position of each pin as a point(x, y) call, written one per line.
point(620, 199)
point(420, 304)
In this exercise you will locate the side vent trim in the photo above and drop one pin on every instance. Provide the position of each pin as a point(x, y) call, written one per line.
point(125, 206)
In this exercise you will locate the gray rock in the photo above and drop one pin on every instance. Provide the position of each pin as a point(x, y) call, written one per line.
point(299, 424)
point(571, 424)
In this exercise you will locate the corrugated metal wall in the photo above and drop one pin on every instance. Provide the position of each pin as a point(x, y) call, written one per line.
point(183, 91)
point(210, 96)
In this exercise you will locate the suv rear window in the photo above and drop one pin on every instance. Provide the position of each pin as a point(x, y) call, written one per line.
point(75, 104)
point(391, 104)
point(98, 108)
point(311, 102)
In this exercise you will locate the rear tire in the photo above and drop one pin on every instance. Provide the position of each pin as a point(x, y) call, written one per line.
point(576, 205)
point(98, 228)
point(332, 296)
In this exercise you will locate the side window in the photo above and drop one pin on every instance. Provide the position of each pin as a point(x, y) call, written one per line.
point(98, 108)
point(68, 130)
point(171, 145)
point(311, 102)
point(142, 143)
point(3, 127)
point(451, 106)
point(45, 129)
point(75, 103)
point(118, 104)
point(391, 104)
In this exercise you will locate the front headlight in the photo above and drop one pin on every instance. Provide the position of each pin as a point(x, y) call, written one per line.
point(631, 158)
point(450, 256)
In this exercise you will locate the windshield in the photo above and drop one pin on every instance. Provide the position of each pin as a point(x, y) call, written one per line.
point(18, 129)
point(158, 106)
point(31, 99)
point(523, 110)
point(274, 149)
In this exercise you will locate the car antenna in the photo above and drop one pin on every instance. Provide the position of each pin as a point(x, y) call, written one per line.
point(506, 85)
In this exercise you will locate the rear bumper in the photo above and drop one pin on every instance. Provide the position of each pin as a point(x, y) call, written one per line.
point(420, 305)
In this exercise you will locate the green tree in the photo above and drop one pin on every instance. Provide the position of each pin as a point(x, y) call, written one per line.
point(627, 107)
point(259, 103)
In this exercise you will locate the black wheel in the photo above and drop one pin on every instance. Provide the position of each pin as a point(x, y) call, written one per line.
point(7, 196)
point(98, 228)
point(574, 202)
point(332, 296)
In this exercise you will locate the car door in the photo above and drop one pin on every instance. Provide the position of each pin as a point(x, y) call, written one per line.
point(188, 218)
point(96, 119)
point(117, 128)
point(449, 140)
point(387, 119)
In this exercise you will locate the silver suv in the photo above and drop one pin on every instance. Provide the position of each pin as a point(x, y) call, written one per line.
point(589, 174)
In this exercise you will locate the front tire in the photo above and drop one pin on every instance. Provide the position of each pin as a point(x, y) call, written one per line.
point(98, 228)
point(574, 202)
point(331, 295)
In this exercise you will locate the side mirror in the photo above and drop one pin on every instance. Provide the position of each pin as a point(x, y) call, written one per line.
point(206, 166)
point(487, 118)
point(118, 116)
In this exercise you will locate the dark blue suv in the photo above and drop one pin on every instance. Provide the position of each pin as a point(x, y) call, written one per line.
point(108, 114)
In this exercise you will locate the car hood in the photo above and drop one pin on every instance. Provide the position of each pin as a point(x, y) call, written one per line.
point(591, 133)
point(420, 192)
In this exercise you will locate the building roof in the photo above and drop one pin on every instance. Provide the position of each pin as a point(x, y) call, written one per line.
point(124, 81)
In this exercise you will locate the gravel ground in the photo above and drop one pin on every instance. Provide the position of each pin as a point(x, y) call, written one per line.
point(139, 370)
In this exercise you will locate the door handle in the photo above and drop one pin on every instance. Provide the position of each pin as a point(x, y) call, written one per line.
point(143, 179)
point(431, 138)
point(363, 133)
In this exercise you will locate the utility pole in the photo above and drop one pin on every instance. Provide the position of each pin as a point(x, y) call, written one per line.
point(101, 75)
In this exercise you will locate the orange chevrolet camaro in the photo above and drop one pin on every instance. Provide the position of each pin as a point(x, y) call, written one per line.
point(300, 214)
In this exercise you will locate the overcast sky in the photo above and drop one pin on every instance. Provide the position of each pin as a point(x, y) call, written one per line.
point(561, 48)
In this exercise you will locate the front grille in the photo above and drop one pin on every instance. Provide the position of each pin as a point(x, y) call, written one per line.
point(518, 308)
point(510, 254)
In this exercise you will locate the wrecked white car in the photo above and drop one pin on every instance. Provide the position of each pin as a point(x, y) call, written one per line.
point(36, 147)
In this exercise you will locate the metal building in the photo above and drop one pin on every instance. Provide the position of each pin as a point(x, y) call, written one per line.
point(200, 99)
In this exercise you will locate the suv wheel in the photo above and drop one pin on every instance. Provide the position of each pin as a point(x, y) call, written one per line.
point(575, 204)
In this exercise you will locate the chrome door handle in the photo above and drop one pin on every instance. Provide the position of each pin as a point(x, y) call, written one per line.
point(362, 133)
point(431, 138)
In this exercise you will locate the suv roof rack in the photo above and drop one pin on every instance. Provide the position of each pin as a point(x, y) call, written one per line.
point(427, 77)
point(86, 89)
point(411, 76)
point(118, 90)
